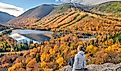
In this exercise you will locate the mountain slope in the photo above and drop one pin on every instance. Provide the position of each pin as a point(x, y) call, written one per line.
point(113, 8)
point(32, 15)
point(5, 17)
point(77, 20)
point(64, 7)
point(37, 13)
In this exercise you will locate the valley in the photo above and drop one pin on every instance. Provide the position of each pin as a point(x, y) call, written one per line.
point(46, 37)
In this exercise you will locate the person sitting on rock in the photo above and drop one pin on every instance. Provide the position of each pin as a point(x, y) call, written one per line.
point(79, 60)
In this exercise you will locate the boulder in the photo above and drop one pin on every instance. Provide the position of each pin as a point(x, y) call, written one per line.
point(66, 68)
point(93, 67)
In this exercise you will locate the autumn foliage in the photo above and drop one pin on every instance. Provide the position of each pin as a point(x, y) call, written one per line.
point(103, 46)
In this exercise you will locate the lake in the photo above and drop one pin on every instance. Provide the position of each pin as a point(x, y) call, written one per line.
point(37, 36)
point(26, 31)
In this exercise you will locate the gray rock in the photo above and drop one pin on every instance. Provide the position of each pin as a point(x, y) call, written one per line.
point(103, 67)
point(108, 65)
point(107, 69)
point(66, 68)
point(118, 68)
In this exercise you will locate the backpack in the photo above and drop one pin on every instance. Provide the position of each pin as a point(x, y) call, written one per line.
point(71, 62)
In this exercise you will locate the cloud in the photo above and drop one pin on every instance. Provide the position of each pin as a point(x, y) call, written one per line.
point(85, 1)
point(97, 1)
point(11, 9)
point(68, 1)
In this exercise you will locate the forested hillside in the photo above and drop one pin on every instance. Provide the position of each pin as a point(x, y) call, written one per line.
point(77, 20)
point(112, 8)
point(3, 27)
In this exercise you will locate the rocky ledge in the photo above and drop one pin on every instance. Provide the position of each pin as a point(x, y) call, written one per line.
point(103, 67)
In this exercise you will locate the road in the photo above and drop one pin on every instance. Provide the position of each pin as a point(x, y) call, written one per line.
point(18, 52)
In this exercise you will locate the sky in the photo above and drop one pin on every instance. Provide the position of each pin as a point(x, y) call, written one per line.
point(17, 7)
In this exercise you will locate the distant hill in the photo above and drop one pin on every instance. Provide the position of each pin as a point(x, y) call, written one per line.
point(5, 17)
point(112, 8)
